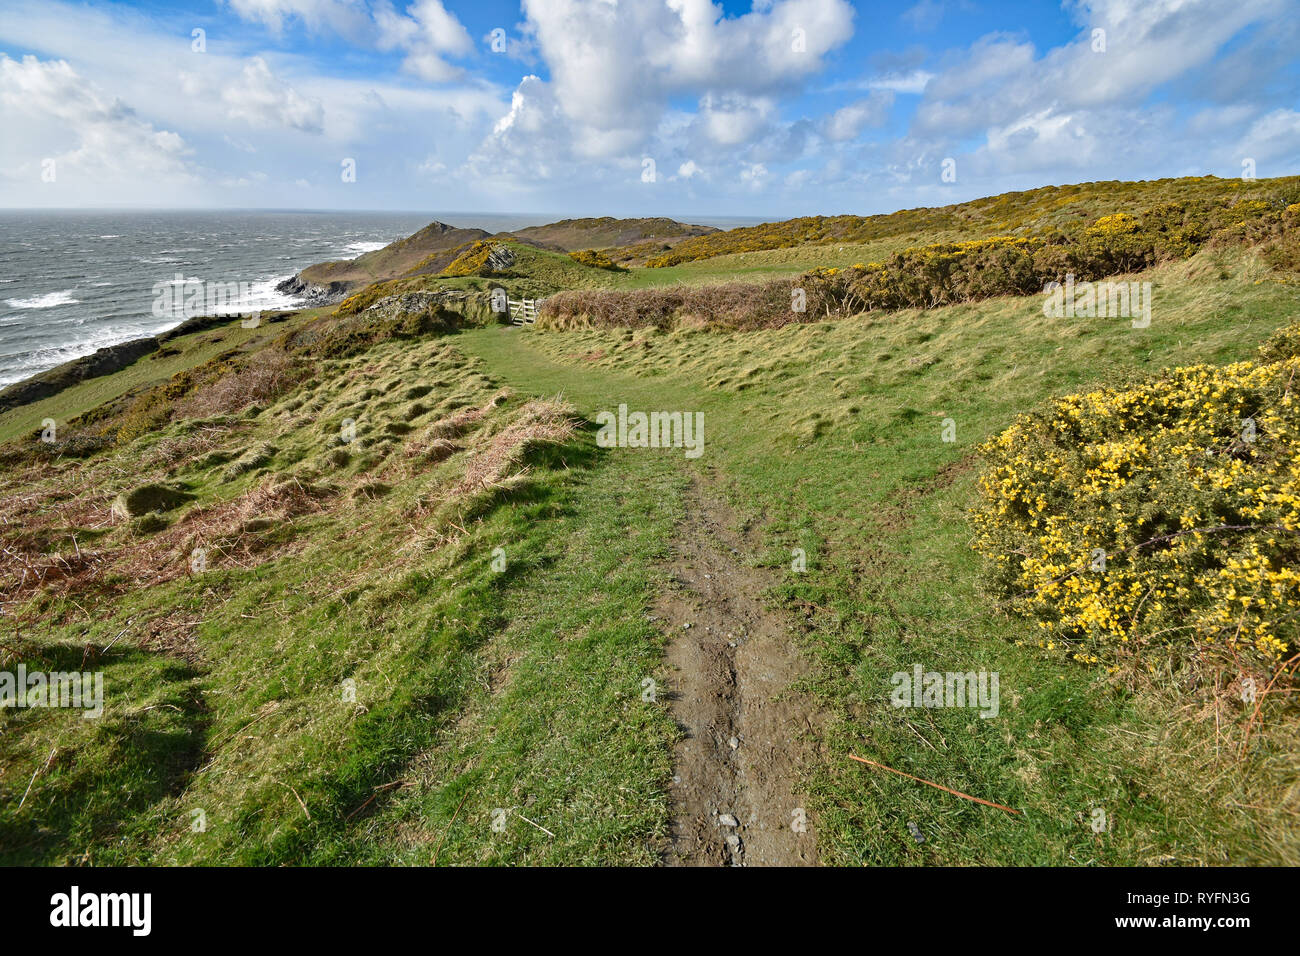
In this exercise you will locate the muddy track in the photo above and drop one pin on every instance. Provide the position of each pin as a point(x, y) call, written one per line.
point(735, 796)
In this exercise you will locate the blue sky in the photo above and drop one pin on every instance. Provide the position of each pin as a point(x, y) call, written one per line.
point(653, 107)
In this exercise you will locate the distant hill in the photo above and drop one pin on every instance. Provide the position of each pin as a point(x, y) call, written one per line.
point(394, 259)
point(438, 245)
point(569, 235)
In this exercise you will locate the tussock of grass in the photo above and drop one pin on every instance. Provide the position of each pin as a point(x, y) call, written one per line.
point(149, 498)
point(536, 423)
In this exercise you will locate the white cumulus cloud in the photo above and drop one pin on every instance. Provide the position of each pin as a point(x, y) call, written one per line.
point(260, 99)
point(94, 139)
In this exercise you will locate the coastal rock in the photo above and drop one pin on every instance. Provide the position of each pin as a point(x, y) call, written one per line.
point(314, 294)
point(106, 361)
point(500, 258)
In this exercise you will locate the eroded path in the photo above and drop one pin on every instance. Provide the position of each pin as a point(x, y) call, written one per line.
point(729, 673)
point(736, 797)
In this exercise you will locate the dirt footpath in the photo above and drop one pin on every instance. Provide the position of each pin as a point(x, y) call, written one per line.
point(736, 798)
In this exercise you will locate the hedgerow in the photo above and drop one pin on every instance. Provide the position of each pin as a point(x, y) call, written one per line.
point(1164, 516)
point(738, 305)
point(948, 273)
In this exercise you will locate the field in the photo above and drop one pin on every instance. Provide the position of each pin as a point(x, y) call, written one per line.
point(407, 607)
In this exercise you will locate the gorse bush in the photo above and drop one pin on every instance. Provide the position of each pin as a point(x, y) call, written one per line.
point(472, 261)
point(1190, 206)
point(590, 257)
point(1162, 515)
point(941, 274)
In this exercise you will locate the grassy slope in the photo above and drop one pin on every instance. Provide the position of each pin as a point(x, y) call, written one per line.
point(479, 691)
point(1034, 212)
point(541, 272)
point(189, 351)
point(225, 694)
point(393, 259)
point(830, 435)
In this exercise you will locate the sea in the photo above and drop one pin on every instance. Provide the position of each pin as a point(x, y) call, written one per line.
point(75, 281)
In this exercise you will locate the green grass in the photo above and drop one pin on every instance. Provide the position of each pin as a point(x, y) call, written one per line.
point(541, 272)
point(830, 435)
point(183, 352)
point(483, 695)
point(257, 720)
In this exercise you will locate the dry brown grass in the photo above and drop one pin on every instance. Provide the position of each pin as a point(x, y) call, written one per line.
point(732, 305)
point(265, 375)
point(39, 548)
point(537, 422)
point(457, 423)
point(232, 532)
point(279, 501)
point(172, 454)
point(431, 452)
point(24, 573)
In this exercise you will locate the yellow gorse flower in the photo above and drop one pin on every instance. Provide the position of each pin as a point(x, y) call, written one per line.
point(1164, 513)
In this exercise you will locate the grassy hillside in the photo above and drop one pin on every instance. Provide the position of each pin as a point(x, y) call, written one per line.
point(602, 233)
point(366, 588)
point(395, 259)
point(1037, 212)
point(440, 249)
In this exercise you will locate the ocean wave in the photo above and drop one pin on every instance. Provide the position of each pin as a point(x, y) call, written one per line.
point(39, 329)
point(47, 301)
point(264, 297)
point(21, 363)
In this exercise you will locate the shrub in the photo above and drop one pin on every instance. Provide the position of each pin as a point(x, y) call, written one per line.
point(257, 380)
point(737, 305)
point(590, 257)
point(1162, 514)
point(472, 259)
point(347, 333)
point(920, 278)
point(1206, 205)
point(1281, 345)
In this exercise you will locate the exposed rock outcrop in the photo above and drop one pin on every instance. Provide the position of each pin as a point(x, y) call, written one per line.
point(472, 307)
point(500, 258)
point(312, 293)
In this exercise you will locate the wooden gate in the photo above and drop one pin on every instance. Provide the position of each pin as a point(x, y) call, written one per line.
point(523, 311)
